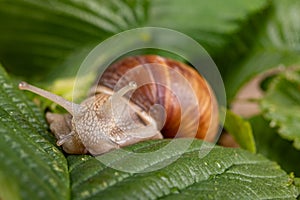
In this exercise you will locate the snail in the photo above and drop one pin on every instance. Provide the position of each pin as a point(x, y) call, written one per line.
point(137, 98)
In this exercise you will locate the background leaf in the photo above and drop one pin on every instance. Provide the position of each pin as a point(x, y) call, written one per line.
point(240, 130)
point(43, 34)
point(223, 174)
point(269, 40)
point(28, 157)
point(51, 38)
point(271, 145)
point(211, 24)
point(55, 36)
point(281, 105)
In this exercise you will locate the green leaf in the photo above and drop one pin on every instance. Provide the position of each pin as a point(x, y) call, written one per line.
point(37, 169)
point(9, 189)
point(244, 38)
point(240, 130)
point(271, 145)
point(208, 22)
point(31, 166)
point(43, 34)
point(223, 173)
point(269, 39)
point(281, 105)
point(55, 36)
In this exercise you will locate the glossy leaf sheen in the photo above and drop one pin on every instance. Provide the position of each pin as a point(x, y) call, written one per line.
point(33, 167)
point(223, 174)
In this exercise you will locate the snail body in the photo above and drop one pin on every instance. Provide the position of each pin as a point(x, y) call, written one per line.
point(137, 98)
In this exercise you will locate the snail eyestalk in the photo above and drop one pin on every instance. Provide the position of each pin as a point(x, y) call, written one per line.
point(131, 86)
point(69, 106)
point(117, 98)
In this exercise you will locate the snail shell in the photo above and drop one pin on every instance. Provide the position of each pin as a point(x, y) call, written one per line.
point(137, 98)
point(155, 93)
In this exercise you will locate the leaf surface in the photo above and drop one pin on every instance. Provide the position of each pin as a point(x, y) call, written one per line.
point(30, 164)
point(241, 131)
point(268, 40)
point(55, 36)
point(223, 173)
point(281, 106)
point(274, 147)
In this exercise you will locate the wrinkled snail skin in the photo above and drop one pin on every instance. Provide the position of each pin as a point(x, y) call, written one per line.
point(137, 98)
